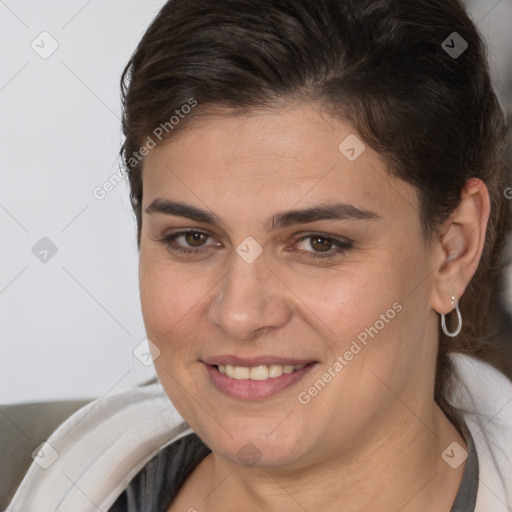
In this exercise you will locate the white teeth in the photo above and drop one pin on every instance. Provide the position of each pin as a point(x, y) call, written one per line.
point(261, 372)
point(241, 372)
point(275, 370)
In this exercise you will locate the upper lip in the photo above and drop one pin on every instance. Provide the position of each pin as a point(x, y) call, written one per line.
point(254, 361)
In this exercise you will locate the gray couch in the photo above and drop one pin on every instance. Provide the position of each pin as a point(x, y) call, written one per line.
point(23, 427)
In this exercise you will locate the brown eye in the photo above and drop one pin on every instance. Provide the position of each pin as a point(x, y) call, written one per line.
point(188, 242)
point(321, 244)
point(195, 238)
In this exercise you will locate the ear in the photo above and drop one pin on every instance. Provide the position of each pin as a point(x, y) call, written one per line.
point(459, 246)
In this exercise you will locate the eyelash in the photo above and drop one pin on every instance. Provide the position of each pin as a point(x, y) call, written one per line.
point(342, 245)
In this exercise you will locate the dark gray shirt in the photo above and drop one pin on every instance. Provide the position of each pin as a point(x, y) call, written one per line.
point(156, 485)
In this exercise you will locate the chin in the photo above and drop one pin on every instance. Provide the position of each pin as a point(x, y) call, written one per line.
point(253, 446)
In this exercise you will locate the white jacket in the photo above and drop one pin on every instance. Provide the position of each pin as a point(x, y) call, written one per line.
point(93, 455)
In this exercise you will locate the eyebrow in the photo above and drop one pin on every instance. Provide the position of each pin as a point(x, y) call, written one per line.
point(325, 211)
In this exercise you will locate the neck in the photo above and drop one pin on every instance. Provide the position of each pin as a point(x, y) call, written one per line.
point(400, 468)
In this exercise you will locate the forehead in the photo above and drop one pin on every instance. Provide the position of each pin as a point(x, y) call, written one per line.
point(272, 157)
point(260, 137)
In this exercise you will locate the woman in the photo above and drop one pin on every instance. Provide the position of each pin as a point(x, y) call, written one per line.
point(318, 188)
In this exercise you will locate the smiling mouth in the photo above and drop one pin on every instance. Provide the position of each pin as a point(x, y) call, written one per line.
point(260, 372)
point(255, 381)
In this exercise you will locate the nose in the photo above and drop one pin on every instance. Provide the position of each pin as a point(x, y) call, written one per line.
point(251, 301)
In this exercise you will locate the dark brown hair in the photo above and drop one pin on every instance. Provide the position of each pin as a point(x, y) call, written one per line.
point(380, 64)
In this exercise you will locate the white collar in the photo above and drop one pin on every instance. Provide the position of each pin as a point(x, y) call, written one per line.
point(100, 449)
point(484, 397)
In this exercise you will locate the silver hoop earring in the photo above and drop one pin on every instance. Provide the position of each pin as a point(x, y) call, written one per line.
point(459, 319)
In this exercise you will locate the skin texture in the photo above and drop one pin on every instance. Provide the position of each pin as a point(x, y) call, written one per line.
point(373, 434)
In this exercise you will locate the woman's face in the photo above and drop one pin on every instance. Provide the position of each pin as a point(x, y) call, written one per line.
point(269, 286)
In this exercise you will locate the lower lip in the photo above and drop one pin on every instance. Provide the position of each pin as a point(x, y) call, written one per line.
point(255, 389)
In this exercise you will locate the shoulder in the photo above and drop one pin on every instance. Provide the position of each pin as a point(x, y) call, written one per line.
point(90, 459)
point(483, 395)
point(156, 485)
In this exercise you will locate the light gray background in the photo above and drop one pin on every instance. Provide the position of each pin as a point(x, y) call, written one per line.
point(69, 325)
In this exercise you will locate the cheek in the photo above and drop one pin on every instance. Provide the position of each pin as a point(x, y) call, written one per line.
point(382, 328)
point(170, 302)
point(367, 311)
point(170, 299)
point(342, 302)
